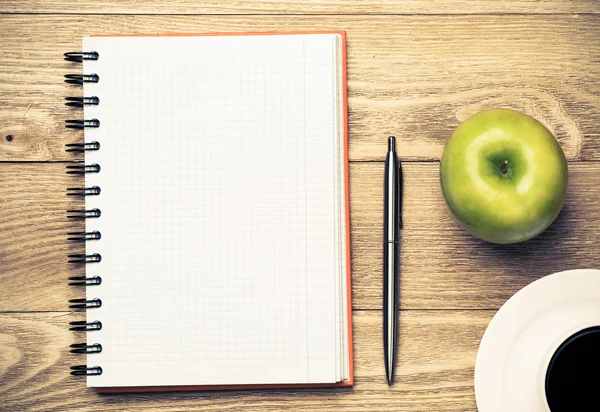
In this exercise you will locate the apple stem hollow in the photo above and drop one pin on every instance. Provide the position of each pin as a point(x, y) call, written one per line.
point(504, 167)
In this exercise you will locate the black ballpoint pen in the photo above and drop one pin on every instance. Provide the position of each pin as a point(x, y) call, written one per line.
point(392, 222)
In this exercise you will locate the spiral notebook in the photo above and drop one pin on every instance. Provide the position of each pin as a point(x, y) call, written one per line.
point(216, 211)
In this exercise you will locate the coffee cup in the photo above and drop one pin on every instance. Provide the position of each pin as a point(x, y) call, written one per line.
point(572, 381)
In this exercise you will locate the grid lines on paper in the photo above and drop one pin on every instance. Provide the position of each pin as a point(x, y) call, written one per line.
point(192, 184)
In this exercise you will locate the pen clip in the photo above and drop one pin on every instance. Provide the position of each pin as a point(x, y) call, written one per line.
point(400, 193)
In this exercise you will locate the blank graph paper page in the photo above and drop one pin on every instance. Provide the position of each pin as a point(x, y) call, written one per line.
point(222, 225)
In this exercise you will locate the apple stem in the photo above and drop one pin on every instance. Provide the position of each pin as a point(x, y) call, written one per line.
point(504, 167)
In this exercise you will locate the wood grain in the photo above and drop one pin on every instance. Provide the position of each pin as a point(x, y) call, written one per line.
point(299, 7)
point(441, 265)
point(435, 370)
point(416, 77)
point(33, 232)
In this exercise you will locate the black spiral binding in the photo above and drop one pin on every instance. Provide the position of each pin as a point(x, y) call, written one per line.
point(84, 348)
point(83, 370)
point(85, 281)
point(83, 214)
point(81, 56)
point(85, 303)
point(81, 124)
point(82, 147)
point(83, 191)
point(80, 169)
point(81, 78)
point(76, 101)
point(83, 258)
point(83, 169)
point(81, 325)
point(93, 235)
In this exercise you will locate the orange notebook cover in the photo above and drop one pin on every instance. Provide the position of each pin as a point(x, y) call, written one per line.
point(344, 131)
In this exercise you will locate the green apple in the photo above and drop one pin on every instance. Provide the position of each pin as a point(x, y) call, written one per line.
point(504, 176)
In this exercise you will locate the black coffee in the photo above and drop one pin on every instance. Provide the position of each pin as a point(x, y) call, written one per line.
point(573, 376)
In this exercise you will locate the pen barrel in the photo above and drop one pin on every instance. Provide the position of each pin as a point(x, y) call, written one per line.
point(390, 306)
point(391, 226)
point(391, 211)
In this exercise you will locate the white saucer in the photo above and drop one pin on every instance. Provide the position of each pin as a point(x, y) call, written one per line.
point(522, 337)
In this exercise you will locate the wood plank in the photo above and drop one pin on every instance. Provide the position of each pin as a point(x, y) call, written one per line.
point(33, 245)
point(441, 265)
point(299, 7)
point(412, 76)
point(435, 370)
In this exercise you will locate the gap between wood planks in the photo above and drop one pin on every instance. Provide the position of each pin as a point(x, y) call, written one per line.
point(66, 312)
point(426, 161)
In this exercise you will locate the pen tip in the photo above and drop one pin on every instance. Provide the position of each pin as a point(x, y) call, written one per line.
point(390, 378)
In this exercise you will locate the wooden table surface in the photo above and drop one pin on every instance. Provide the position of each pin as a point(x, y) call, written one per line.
point(416, 68)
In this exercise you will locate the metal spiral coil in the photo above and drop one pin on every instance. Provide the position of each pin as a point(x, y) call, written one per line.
point(84, 370)
point(85, 348)
point(85, 281)
point(84, 214)
point(83, 191)
point(79, 57)
point(80, 79)
point(82, 101)
point(83, 236)
point(82, 147)
point(85, 303)
point(82, 169)
point(83, 258)
point(78, 169)
point(82, 124)
point(83, 326)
